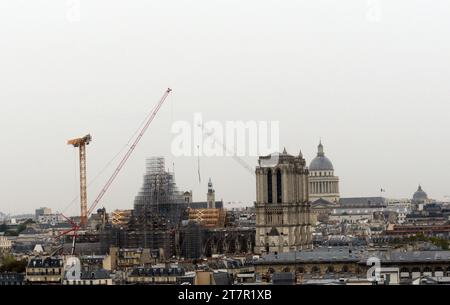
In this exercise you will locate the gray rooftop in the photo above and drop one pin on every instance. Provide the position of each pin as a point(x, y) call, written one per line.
point(204, 204)
point(415, 256)
point(338, 254)
point(362, 202)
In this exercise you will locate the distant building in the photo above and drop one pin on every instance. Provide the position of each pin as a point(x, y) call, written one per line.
point(321, 210)
point(44, 270)
point(42, 211)
point(51, 219)
point(438, 230)
point(128, 258)
point(323, 184)
point(5, 244)
point(8, 279)
point(212, 278)
point(213, 216)
point(155, 275)
point(336, 261)
point(420, 198)
point(350, 262)
point(350, 218)
point(209, 218)
point(362, 202)
point(95, 277)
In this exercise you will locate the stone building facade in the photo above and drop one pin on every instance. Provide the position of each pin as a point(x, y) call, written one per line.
point(282, 205)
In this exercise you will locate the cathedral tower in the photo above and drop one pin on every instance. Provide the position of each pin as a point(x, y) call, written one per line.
point(282, 205)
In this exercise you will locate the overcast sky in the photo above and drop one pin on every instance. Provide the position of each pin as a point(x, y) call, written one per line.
point(371, 78)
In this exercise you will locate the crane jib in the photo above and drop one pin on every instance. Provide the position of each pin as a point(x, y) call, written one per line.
point(129, 152)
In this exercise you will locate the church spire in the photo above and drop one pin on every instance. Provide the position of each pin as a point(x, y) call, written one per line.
point(210, 185)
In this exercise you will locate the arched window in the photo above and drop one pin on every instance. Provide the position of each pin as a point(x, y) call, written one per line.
point(269, 186)
point(300, 270)
point(330, 269)
point(404, 270)
point(427, 269)
point(415, 269)
point(279, 189)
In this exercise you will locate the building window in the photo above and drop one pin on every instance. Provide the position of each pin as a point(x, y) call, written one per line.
point(279, 190)
point(300, 270)
point(269, 186)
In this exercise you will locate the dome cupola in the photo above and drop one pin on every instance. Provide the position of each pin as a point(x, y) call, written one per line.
point(320, 162)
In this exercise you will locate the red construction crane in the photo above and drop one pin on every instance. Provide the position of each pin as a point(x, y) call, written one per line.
point(76, 227)
point(129, 152)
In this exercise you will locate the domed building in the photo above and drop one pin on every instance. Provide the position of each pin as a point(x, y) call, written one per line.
point(323, 184)
point(420, 196)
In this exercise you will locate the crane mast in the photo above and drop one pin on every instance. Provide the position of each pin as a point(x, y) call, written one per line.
point(81, 144)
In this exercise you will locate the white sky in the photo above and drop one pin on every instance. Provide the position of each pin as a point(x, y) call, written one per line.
point(376, 89)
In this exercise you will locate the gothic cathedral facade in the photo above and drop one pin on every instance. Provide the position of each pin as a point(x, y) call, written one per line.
point(282, 204)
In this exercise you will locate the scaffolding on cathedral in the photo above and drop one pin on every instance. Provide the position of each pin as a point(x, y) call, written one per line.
point(159, 192)
point(158, 209)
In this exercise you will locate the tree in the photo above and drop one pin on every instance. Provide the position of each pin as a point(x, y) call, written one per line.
point(10, 264)
point(3, 227)
point(11, 233)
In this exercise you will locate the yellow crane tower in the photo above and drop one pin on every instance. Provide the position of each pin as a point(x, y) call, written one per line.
point(81, 144)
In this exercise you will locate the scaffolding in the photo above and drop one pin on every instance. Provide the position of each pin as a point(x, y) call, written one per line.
point(159, 208)
point(158, 190)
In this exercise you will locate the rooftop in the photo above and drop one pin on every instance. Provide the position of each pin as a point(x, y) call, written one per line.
point(337, 254)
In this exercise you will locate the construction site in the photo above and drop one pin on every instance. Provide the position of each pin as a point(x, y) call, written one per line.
point(164, 220)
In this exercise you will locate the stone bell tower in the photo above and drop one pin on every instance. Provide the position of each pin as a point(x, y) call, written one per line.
point(282, 204)
point(211, 196)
